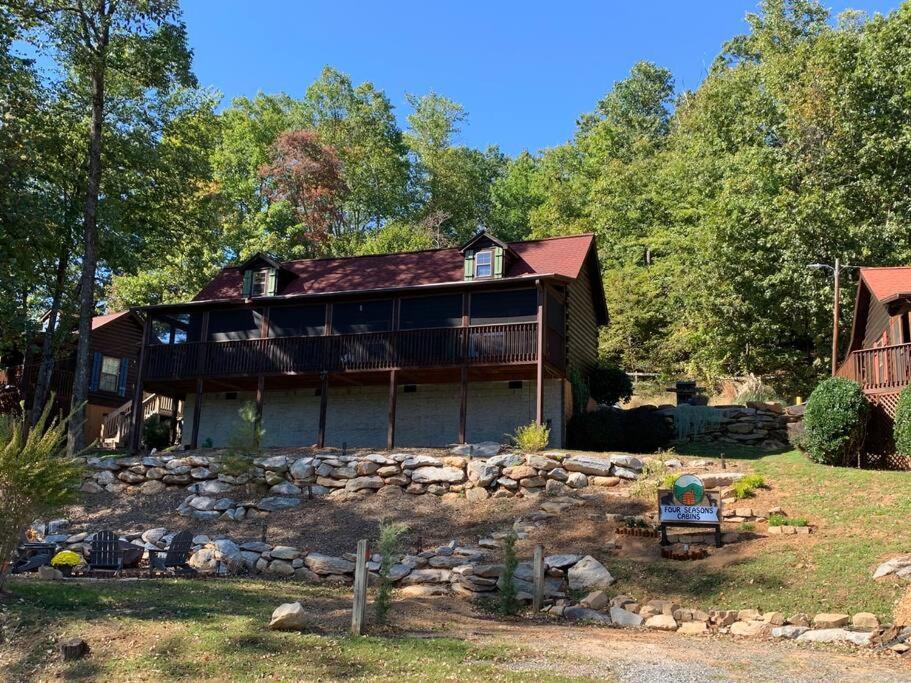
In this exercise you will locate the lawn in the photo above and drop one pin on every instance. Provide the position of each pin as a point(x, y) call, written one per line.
point(216, 630)
point(860, 517)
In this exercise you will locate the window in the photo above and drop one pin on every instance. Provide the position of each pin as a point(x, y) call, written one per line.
point(233, 325)
point(109, 379)
point(511, 306)
point(483, 263)
point(367, 316)
point(260, 283)
point(297, 321)
point(430, 311)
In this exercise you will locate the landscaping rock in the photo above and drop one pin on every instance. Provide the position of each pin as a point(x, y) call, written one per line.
point(625, 473)
point(276, 503)
point(154, 535)
point(364, 483)
point(595, 600)
point(589, 574)
point(749, 629)
point(288, 617)
point(789, 632)
point(693, 628)
point(281, 568)
point(214, 487)
point(152, 488)
point(302, 468)
point(483, 449)
point(427, 576)
point(623, 617)
point(424, 590)
point(577, 480)
point(584, 614)
point(830, 621)
point(90, 487)
point(48, 573)
point(326, 564)
point(284, 552)
point(285, 488)
point(835, 635)
point(628, 461)
point(661, 622)
point(588, 465)
point(475, 494)
point(865, 621)
point(428, 475)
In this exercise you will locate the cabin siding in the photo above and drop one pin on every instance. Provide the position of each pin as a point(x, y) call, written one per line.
point(119, 338)
point(581, 323)
point(877, 323)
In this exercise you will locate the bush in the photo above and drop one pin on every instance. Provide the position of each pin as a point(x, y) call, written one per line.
point(609, 384)
point(531, 438)
point(639, 430)
point(754, 390)
point(746, 487)
point(244, 442)
point(389, 547)
point(835, 422)
point(156, 433)
point(66, 558)
point(36, 478)
point(509, 602)
point(902, 429)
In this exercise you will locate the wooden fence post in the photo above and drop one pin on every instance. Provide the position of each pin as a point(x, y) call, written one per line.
point(359, 613)
point(538, 567)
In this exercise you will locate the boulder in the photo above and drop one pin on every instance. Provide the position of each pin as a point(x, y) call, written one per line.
point(577, 480)
point(561, 561)
point(483, 449)
point(285, 488)
point(865, 621)
point(835, 635)
point(152, 488)
point(595, 600)
point(89, 486)
point(284, 552)
point(202, 503)
point(828, 621)
point(48, 573)
point(585, 614)
point(154, 535)
point(424, 590)
point(625, 473)
point(628, 461)
point(661, 622)
point(131, 477)
point(428, 475)
point(281, 568)
point(214, 487)
point(427, 576)
point(276, 463)
point(789, 632)
point(589, 574)
point(556, 488)
point(588, 465)
point(889, 567)
point(623, 617)
point(327, 564)
point(302, 468)
point(749, 629)
point(415, 461)
point(288, 617)
point(364, 483)
point(276, 503)
point(201, 473)
point(506, 460)
point(693, 628)
point(475, 494)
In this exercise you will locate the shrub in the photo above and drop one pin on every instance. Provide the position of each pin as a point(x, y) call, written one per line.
point(244, 442)
point(747, 526)
point(609, 384)
point(746, 487)
point(36, 478)
point(156, 433)
point(389, 546)
point(902, 429)
point(754, 390)
point(835, 421)
point(509, 603)
point(638, 430)
point(66, 558)
point(654, 474)
point(531, 438)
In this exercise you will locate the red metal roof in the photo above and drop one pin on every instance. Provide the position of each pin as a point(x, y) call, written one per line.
point(557, 256)
point(100, 320)
point(887, 283)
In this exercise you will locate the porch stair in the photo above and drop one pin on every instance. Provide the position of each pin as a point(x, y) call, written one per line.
point(116, 427)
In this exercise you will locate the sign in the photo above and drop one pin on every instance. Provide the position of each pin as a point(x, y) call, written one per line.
point(687, 503)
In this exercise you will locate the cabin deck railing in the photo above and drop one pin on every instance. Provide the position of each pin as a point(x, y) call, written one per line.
point(502, 344)
point(879, 369)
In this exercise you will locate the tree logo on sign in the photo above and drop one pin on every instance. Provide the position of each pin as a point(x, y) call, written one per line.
point(688, 489)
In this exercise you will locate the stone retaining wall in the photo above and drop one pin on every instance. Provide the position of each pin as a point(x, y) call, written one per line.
point(280, 482)
point(767, 425)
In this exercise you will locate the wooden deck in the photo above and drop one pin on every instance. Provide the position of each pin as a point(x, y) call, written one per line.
point(882, 373)
point(502, 344)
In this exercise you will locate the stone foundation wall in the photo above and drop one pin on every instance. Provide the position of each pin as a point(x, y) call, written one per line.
point(427, 417)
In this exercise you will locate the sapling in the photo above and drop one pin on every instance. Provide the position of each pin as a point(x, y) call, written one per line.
point(389, 548)
point(509, 603)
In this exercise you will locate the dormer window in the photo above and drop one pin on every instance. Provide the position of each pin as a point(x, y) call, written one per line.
point(483, 263)
point(259, 283)
point(262, 276)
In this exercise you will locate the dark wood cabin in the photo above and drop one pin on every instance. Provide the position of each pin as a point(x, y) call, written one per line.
point(417, 348)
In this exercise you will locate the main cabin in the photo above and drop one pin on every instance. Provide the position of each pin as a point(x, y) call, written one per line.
point(421, 348)
point(879, 355)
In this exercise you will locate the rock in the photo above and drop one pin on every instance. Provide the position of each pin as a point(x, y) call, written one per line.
point(623, 617)
point(835, 635)
point(595, 600)
point(276, 503)
point(284, 552)
point(154, 535)
point(424, 591)
point(89, 486)
point(774, 618)
point(577, 480)
point(585, 614)
point(48, 573)
point(604, 481)
point(285, 488)
point(427, 576)
point(693, 628)
point(520, 472)
point(288, 617)
point(749, 615)
point(428, 475)
point(105, 477)
point(661, 622)
point(276, 463)
point(131, 477)
point(152, 488)
point(588, 465)
point(628, 461)
point(830, 621)
point(539, 462)
point(865, 621)
point(326, 564)
point(202, 503)
point(799, 619)
point(365, 468)
point(255, 546)
point(364, 483)
point(789, 632)
point(201, 473)
point(214, 487)
point(506, 460)
point(625, 473)
point(556, 488)
point(302, 468)
point(891, 566)
point(589, 574)
point(281, 568)
point(475, 494)
point(484, 449)
point(749, 629)
point(415, 461)
point(561, 561)
point(558, 474)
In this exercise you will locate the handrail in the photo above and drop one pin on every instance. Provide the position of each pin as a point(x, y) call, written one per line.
point(883, 367)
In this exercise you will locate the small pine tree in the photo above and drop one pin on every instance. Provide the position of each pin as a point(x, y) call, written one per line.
point(509, 603)
point(244, 442)
point(389, 547)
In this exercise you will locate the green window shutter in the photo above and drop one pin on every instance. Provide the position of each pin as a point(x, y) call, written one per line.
point(469, 265)
point(248, 282)
point(498, 261)
point(273, 279)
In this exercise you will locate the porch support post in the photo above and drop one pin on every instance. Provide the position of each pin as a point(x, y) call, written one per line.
point(197, 411)
point(393, 386)
point(323, 398)
point(260, 389)
point(136, 409)
point(539, 380)
point(463, 378)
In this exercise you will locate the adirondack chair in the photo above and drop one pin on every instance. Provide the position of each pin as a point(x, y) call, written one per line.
point(175, 558)
point(106, 553)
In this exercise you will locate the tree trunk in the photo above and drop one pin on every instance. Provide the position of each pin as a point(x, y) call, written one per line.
point(47, 350)
point(76, 430)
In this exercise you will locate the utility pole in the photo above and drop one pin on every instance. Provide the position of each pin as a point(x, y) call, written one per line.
point(835, 315)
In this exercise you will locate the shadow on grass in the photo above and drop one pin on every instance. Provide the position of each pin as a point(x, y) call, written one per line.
point(728, 450)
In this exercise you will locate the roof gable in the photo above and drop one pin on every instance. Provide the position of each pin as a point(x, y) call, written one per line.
point(888, 283)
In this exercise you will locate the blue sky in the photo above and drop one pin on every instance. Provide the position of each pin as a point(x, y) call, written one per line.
point(523, 70)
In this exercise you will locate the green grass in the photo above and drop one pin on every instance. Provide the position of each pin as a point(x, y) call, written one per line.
point(217, 630)
point(781, 520)
point(859, 518)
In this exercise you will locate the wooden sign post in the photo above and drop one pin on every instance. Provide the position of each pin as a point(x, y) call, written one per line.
point(689, 504)
point(538, 568)
point(359, 613)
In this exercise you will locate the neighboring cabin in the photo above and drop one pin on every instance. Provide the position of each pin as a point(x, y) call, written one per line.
point(412, 349)
point(879, 355)
point(114, 350)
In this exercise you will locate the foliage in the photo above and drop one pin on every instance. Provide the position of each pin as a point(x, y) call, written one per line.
point(654, 475)
point(156, 433)
point(754, 390)
point(692, 421)
point(667, 482)
point(637, 430)
point(508, 601)
point(835, 422)
point(389, 544)
point(608, 384)
point(531, 438)
point(66, 558)
point(784, 520)
point(244, 441)
point(902, 428)
point(747, 485)
point(36, 478)
point(581, 394)
point(748, 526)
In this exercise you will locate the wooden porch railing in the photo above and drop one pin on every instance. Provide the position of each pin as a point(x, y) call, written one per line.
point(115, 429)
point(503, 344)
point(879, 369)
